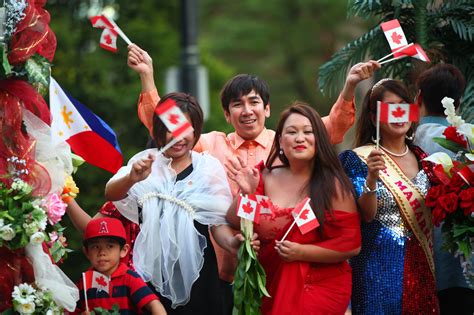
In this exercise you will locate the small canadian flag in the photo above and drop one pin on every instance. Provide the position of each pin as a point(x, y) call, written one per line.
point(101, 21)
point(415, 51)
point(173, 118)
point(398, 113)
point(265, 204)
point(395, 36)
point(108, 39)
point(248, 208)
point(96, 280)
point(305, 217)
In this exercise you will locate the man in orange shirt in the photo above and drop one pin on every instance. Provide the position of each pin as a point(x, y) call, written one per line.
point(246, 103)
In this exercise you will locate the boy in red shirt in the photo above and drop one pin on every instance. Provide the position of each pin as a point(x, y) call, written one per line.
point(110, 282)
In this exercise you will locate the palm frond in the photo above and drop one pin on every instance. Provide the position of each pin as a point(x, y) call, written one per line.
point(458, 14)
point(370, 8)
point(332, 74)
point(464, 29)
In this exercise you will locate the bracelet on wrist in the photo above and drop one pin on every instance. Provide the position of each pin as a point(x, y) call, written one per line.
point(367, 190)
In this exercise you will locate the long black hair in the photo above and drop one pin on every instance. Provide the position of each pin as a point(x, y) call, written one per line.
point(326, 168)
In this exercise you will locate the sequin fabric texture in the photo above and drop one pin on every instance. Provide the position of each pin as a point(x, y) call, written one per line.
point(391, 274)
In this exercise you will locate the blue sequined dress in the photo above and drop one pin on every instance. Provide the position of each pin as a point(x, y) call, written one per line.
point(391, 274)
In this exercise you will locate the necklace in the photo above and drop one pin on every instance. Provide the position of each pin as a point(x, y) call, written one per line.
point(395, 154)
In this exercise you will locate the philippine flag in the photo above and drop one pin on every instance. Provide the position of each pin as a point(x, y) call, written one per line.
point(88, 135)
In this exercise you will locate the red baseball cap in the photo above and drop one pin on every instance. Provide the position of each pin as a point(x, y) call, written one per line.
point(104, 227)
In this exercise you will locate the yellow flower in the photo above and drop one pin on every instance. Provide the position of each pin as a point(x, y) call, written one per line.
point(70, 189)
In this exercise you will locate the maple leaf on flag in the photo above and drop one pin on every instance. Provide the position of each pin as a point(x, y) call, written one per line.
point(264, 203)
point(101, 281)
point(398, 112)
point(173, 118)
point(108, 39)
point(396, 38)
point(304, 214)
point(247, 207)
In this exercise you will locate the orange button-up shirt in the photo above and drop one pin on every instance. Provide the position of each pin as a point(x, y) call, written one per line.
point(221, 146)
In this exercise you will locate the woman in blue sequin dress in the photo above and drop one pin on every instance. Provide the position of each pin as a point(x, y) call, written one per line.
point(393, 274)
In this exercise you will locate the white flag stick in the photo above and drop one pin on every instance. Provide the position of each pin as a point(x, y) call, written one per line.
point(394, 52)
point(377, 128)
point(119, 31)
point(286, 234)
point(393, 59)
point(85, 291)
point(172, 143)
point(294, 221)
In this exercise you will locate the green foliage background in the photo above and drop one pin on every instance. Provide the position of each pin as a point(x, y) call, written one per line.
point(283, 42)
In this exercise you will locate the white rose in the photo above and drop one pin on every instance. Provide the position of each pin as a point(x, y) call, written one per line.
point(37, 238)
point(26, 308)
point(7, 233)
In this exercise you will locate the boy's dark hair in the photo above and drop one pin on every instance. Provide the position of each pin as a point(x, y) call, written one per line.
point(188, 104)
point(118, 240)
point(437, 82)
point(243, 84)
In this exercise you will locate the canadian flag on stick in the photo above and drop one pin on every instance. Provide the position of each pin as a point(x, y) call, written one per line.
point(108, 39)
point(173, 118)
point(395, 35)
point(304, 217)
point(398, 113)
point(248, 208)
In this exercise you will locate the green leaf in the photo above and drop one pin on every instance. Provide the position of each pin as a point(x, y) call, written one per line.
point(38, 71)
point(249, 249)
point(448, 144)
point(261, 285)
point(459, 230)
point(6, 68)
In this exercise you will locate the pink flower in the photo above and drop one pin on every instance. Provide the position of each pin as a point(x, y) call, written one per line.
point(55, 208)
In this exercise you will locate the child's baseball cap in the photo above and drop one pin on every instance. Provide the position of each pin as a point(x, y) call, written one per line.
point(105, 227)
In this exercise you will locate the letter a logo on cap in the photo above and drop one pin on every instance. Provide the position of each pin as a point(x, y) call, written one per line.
point(103, 228)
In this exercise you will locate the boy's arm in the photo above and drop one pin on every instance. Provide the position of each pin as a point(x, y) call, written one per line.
point(342, 115)
point(139, 61)
point(155, 307)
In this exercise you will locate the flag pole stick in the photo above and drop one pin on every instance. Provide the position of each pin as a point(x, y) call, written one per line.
point(120, 32)
point(377, 130)
point(393, 59)
point(286, 234)
point(172, 143)
point(394, 52)
point(85, 291)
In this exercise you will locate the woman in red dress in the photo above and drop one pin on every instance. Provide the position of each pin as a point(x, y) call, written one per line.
point(306, 274)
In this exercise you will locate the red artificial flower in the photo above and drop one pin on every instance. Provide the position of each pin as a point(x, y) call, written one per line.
point(451, 133)
point(467, 201)
point(456, 183)
point(438, 215)
point(431, 199)
point(449, 202)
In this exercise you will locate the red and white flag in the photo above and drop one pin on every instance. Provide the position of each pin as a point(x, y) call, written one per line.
point(395, 35)
point(265, 204)
point(398, 113)
point(173, 118)
point(305, 217)
point(415, 51)
point(248, 208)
point(97, 280)
point(108, 39)
point(101, 21)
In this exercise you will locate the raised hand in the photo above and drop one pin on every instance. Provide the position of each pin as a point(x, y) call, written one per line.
point(375, 163)
point(245, 176)
point(141, 169)
point(139, 60)
point(358, 72)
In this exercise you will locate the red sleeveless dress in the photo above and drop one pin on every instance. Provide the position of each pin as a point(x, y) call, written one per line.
point(303, 287)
